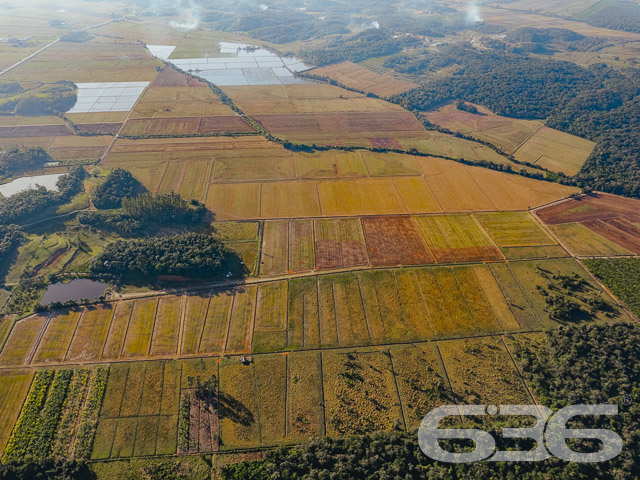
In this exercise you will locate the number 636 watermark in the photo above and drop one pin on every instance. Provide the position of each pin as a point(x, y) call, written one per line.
point(550, 430)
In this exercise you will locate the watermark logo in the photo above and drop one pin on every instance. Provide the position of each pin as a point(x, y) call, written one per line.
point(550, 433)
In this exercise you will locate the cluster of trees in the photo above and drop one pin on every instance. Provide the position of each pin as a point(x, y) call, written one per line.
point(10, 88)
point(599, 103)
point(23, 206)
point(621, 276)
point(139, 214)
point(118, 185)
point(79, 37)
point(49, 469)
point(47, 99)
point(20, 160)
point(369, 43)
point(618, 15)
point(601, 360)
point(188, 255)
point(10, 237)
point(540, 38)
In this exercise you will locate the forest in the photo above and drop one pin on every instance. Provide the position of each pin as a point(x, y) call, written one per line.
point(18, 160)
point(22, 207)
point(118, 185)
point(188, 255)
point(599, 103)
point(621, 276)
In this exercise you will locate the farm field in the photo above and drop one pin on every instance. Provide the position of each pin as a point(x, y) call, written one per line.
point(596, 225)
point(336, 310)
point(88, 63)
point(355, 76)
point(527, 140)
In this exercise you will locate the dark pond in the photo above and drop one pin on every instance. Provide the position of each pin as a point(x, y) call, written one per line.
point(74, 290)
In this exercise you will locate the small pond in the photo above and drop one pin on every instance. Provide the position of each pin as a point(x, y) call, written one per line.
point(25, 183)
point(75, 290)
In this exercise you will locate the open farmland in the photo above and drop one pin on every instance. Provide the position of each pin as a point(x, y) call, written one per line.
point(354, 76)
point(333, 310)
point(527, 140)
point(596, 225)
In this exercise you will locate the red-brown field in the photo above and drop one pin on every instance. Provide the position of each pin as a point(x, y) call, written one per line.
point(354, 76)
point(610, 219)
point(395, 241)
point(35, 131)
point(355, 122)
point(99, 128)
point(339, 243)
point(186, 126)
point(168, 77)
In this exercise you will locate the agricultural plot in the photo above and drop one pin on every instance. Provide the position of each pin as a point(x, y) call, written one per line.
point(305, 412)
point(596, 225)
point(421, 381)
point(89, 62)
point(339, 243)
point(481, 371)
point(360, 393)
point(395, 241)
point(303, 330)
point(91, 334)
point(59, 415)
point(514, 229)
point(542, 281)
point(164, 101)
point(302, 255)
point(57, 338)
point(527, 140)
point(140, 330)
point(354, 76)
point(13, 390)
point(167, 326)
point(140, 411)
point(185, 126)
point(456, 238)
point(270, 331)
point(215, 334)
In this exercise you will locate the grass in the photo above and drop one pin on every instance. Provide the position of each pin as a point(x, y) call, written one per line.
point(339, 242)
point(303, 325)
point(476, 301)
point(195, 316)
point(14, 387)
point(305, 413)
point(271, 393)
point(274, 257)
point(583, 241)
point(351, 324)
point(289, 199)
point(119, 326)
point(138, 338)
point(301, 246)
point(517, 301)
point(241, 322)
point(360, 393)
point(359, 197)
point(270, 332)
point(57, 338)
point(91, 334)
point(239, 426)
point(421, 381)
point(514, 229)
point(214, 335)
point(167, 327)
point(327, 313)
point(234, 201)
point(482, 372)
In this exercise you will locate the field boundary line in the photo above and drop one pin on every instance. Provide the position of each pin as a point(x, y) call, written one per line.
point(128, 361)
point(454, 396)
point(525, 296)
point(526, 140)
point(75, 330)
point(286, 395)
point(425, 304)
point(204, 325)
point(524, 380)
point(106, 337)
point(36, 345)
point(506, 300)
point(364, 309)
point(153, 328)
point(324, 400)
point(395, 382)
point(183, 313)
point(8, 69)
point(126, 332)
point(252, 325)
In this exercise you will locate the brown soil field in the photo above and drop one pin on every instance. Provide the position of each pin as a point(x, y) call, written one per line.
point(339, 243)
point(99, 128)
point(168, 102)
point(354, 76)
point(599, 206)
point(185, 126)
point(356, 122)
point(395, 241)
point(35, 131)
point(168, 77)
point(613, 220)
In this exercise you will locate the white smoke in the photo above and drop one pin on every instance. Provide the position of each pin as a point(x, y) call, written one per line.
point(375, 25)
point(191, 14)
point(473, 12)
point(263, 7)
